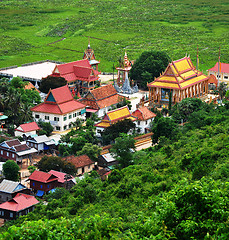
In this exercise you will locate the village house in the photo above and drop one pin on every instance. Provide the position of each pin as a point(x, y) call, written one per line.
point(42, 182)
point(20, 205)
point(60, 109)
point(112, 117)
point(27, 129)
point(15, 150)
point(82, 163)
point(64, 180)
point(101, 99)
point(106, 160)
point(8, 189)
point(144, 119)
point(220, 71)
point(41, 143)
point(79, 75)
point(181, 80)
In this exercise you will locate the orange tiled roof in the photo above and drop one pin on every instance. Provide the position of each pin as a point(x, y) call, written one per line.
point(143, 114)
point(79, 161)
point(102, 97)
point(179, 74)
point(30, 86)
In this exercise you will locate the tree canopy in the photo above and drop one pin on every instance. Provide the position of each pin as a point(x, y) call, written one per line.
point(51, 82)
point(11, 170)
point(149, 65)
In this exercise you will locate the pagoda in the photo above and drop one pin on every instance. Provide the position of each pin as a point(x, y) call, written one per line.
point(123, 71)
point(180, 79)
point(90, 56)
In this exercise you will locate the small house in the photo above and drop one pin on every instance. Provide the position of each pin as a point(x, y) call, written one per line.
point(42, 182)
point(41, 143)
point(64, 180)
point(20, 205)
point(8, 189)
point(27, 129)
point(82, 163)
point(144, 118)
point(107, 160)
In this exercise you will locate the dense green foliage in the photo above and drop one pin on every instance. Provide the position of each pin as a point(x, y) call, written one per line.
point(46, 128)
point(148, 67)
point(177, 189)
point(112, 132)
point(58, 30)
point(55, 163)
point(16, 101)
point(51, 83)
point(11, 170)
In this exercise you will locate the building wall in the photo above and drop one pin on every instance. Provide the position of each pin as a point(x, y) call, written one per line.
point(85, 169)
point(35, 185)
point(142, 125)
point(4, 197)
point(224, 77)
point(19, 134)
point(59, 122)
point(6, 214)
point(8, 155)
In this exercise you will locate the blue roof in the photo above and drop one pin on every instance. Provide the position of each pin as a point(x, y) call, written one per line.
point(40, 193)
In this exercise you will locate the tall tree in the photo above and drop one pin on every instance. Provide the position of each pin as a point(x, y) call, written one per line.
point(51, 82)
point(148, 66)
point(123, 149)
point(11, 170)
point(92, 151)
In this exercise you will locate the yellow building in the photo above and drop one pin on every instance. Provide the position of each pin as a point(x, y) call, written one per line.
point(182, 80)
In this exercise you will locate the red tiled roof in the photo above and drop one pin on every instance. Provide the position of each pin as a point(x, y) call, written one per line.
point(28, 127)
point(61, 94)
point(60, 108)
point(78, 70)
point(79, 161)
point(60, 176)
point(143, 113)
point(42, 177)
point(224, 68)
point(19, 202)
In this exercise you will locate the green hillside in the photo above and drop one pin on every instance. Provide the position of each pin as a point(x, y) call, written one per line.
point(175, 190)
point(59, 30)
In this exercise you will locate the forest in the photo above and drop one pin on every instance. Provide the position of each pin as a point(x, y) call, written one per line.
point(176, 189)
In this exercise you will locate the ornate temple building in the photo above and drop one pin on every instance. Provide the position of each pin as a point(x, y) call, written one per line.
point(123, 71)
point(90, 56)
point(181, 80)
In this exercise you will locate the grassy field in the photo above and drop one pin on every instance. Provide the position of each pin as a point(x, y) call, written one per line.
point(30, 29)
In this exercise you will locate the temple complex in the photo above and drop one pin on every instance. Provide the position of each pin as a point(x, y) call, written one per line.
point(181, 80)
point(90, 56)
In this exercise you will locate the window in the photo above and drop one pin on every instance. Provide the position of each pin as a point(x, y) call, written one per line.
point(48, 186)
point(70, 125)
point(11, 215)
point(46, 117)
point(74, 115)
point(57, 128)
point(65, 127)
point(37, 116)
point(1, 152)
point(218, 76)
point(1, 213)
point(65, 118)
point(56, 119)
point(146, 122)
point(225, 77)
point(33, 184)
point(41, 186)
point(70, 116)
point(88, 167)
point(138, 122)
point(7, 154)
point(12, 155)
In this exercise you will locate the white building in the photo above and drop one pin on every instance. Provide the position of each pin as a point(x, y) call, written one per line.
point(223, 72)
point(60, 109)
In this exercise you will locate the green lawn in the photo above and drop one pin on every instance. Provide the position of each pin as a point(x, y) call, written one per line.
point(175, 26)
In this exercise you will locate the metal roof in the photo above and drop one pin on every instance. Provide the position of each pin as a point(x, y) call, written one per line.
point(10, 186)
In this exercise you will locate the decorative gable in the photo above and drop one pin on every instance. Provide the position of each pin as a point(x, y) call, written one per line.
point(50, 98)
